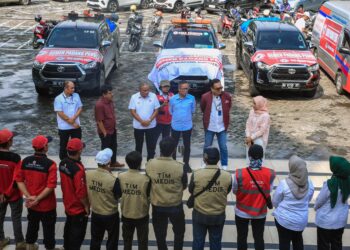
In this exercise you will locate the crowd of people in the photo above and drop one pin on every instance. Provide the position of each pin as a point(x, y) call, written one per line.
point(97, 192)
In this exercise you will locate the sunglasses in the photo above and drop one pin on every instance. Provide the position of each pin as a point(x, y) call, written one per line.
point(220, 88)
point(184, 88)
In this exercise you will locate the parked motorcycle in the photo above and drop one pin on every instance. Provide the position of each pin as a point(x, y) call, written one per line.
point(157, 18)
point(229, 22)
point(42, 30)
point(135, 32)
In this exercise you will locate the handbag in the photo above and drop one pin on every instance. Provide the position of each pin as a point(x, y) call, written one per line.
point(190, 201)
point(267, 199)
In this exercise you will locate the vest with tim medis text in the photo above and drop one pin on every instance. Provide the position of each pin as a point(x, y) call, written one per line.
point(248, 197)
point(214, 200)
point(166, 177)
point(134, 201)
point(100, 184)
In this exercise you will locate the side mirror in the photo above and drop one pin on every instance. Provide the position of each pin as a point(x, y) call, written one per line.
point(249, 46)
point(344, 50)
point(222, 46)
point(310, 45)
point(41, 42)
point(106, 44)
point(158, 44)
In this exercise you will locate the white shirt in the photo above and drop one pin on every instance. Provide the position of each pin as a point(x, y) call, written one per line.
point(216, 122)
point(69, 105)
point(327, 217)
point(290, 212)
point(300, 24)
point(144, 107)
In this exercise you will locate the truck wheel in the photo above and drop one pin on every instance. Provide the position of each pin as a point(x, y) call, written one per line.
point(100, 81)
point(24, 2)
point(339, 83)
point(253, 91)
point(116, 60)
point(42, 91)
point(113, 6)
point(311, 93)
point(178, 6)
point(225, 32)
point(238, 58)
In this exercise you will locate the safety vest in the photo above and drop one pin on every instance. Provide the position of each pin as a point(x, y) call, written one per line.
point(164, 116)
point(248, 197)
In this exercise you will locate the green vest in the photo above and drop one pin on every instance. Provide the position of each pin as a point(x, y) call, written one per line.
point(100, 184)
point(134, 201)
point(214, 200)
point(166, 177)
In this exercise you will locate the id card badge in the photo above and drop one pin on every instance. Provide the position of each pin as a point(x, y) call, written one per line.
point(219, 112)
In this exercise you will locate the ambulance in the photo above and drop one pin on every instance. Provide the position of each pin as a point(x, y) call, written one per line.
point(331, 38)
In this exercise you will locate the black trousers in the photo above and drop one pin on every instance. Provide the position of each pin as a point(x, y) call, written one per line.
point(141, 226)
point(242, 232)
point(151, 141)
point(285, 236)
point(48, 221)
point(329, 239)
point(100, 224)
point(160, 226)
point(186, 137)
point(74, 231)
point(163, 129)
point(65, 135)
point(110, 141)
point(16, 217)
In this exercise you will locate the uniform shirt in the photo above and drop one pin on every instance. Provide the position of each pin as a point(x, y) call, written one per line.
point(327, 217)
point(69, 105)
point(38, 172)
point(182, 109)
point(290, 212)
point(104, 111)
point(9, 163)
point(144, 107)
point(73, 185)
point(216, 122)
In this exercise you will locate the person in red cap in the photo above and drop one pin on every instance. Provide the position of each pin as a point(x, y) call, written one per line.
point(75, 197)
point(9, 193)
point(37, 180)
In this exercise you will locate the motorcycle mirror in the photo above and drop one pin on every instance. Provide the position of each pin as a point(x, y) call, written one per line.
point(222, 46)
point(248, 44)
point(106, 44)
point(41, 41)
point(158, 44)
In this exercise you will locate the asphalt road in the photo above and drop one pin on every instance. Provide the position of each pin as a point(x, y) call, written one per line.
point(312, 128)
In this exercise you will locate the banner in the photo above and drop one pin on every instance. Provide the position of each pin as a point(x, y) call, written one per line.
point(271, 57)
point(330, 36)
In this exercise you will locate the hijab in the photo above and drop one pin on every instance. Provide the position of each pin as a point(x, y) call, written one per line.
point(297, 179)
point(261, 104)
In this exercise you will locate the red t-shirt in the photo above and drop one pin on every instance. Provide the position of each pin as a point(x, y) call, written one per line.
point(104, 111)
point(39, 172)
point(73, 184)
point(9, 163)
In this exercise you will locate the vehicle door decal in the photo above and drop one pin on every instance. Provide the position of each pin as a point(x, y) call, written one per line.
point(330, 37)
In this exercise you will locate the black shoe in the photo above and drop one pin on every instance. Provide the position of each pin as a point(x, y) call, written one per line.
point(187, 168)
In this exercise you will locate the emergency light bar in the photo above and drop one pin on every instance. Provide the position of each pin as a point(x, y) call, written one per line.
point(189, 21)
point(86, 14)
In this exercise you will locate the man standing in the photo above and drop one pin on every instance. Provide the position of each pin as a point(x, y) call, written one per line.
point(164, 116)
point(37, 180)
point(182, 106)
point(216, 105)
point(9, 192)
point(75, 198)
point(301, 22)
point(106, 123)
point(104, 192)
point(168, 180)
point(144, 107)
point(209, 207)
point(68, 107)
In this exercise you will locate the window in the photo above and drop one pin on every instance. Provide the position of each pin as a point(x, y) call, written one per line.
point(346, 39)
point(282, 40)
point(72, 38)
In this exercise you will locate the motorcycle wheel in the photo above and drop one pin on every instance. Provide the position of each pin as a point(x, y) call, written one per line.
point(225, 32)
point(145, 4)
point(133, 44)
point(35, 43)
point(152, 30)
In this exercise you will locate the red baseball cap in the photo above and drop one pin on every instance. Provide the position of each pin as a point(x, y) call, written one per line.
point(75, 144)
point(5, 135)
point(41, 141)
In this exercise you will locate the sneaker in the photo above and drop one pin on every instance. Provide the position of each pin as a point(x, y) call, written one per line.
point(187, 168)
point(224, 167)
point(4, 242)
point(32, 246)
point(21, 246)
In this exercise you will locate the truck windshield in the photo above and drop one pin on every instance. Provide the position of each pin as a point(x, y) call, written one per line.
point(281, 40)
point(197, 39)
point(72, 38)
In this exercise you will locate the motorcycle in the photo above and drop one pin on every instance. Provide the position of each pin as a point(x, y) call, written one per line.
point(42, 30)
point(135, 32)
point(157, 18)
point(229, 22)
point(185, 13)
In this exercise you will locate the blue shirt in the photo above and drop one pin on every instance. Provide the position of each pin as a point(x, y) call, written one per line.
point(111, 24)
point(182, 109)
point(69, 105)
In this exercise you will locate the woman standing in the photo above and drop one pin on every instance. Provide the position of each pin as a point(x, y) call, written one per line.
point(258, 125)
point(291, 200)
point(332, 206)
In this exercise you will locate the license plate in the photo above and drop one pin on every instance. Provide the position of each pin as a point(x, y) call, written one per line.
point(211, 6)
point(290, 85)
point(58, 83)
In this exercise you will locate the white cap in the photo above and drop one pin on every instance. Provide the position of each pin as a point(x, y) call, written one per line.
point(266, 12)
point(306, 13)
point(104, 156)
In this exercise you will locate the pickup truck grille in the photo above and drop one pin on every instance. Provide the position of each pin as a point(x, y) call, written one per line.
point(290, 73)
point(61, 71)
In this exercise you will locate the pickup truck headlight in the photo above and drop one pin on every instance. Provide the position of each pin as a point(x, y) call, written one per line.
point(263, 66)
point(89, 65)
point(313, 68)
point(37, 65)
